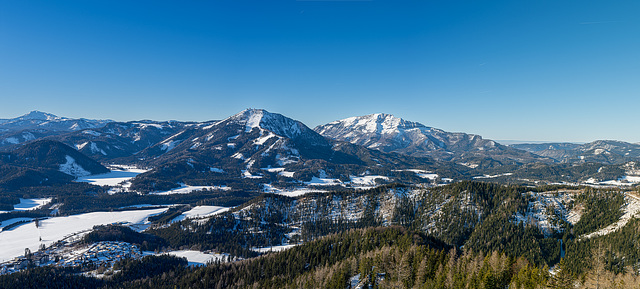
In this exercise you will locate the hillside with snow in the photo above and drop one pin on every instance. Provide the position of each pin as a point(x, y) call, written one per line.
point(388, 133)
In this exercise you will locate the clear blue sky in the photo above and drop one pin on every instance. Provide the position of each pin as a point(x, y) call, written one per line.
point(523, 70)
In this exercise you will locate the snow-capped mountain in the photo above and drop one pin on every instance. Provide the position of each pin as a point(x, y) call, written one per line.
point(37, 124)
point(388, 133)
point(261, 146)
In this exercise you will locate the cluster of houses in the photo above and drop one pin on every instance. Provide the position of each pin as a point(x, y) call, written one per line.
point(100, 254)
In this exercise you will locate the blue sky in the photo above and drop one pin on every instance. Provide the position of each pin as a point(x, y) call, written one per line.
point(516, 70)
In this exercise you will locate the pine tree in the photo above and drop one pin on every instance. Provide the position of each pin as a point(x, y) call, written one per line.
point(563, 278)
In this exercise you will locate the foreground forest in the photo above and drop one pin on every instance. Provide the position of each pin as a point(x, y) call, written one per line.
point(390, 257)
point(463, 235)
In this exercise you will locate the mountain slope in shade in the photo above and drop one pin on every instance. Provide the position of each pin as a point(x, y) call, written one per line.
point(388, 133)
point(45, 162)
point(257, 145)
point(37, 124)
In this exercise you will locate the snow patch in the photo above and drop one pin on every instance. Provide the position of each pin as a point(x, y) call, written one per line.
point(197, 258)
point(254, 120)
point(273, 248)
point(200, 212)
point(169, 145)
point(112, 178)
point(92, 132)
point(493, 176)
point(12, 140)
point(367, 180)
point(73, 168)
point(31, 204)
point(186, 189)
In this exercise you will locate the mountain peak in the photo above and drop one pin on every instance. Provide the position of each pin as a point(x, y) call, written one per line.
point(38, 115)
point(274, 122)
point(377, 123)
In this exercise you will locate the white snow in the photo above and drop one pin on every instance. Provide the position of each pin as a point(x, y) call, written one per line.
point(273, 170)
point(272, 248)
point(51, 230)
point(112, 178)
point(13, 221)
point(31, 204)
point(315, 181)
point(169, 144)
point(544, 203)
point(216, 170)
point(12, 140)
point(286, 174)
point(72, 168)
point(197, 258)
point(246, 174)
point(261, 140)
point(186, 189)
point(493, 176)
point(254, 119)
point(201, 211)
point(92, 132)
point(470, 165)
point(146, 125)
point(96, 149)
point(238, 156)
point(268, 188)
point(423, 174)
point(366, 180)
point(623, 181)
point(82, 145)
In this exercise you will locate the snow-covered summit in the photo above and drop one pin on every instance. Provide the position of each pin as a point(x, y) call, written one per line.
point(388, 133)
point(378, 124)
point(38, 124)
point(38, 115)
point(274, 122)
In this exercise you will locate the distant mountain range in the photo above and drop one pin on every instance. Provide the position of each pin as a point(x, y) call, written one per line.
point(260, 147)
point(601, 151)
point(37, 124)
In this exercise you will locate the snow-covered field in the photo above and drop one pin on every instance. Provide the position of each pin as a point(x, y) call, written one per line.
point(201, 211)
point(51, 230)
point(186, 189)
point(621, 182)
point(315, 181)
point(197, 258)
point(112, 178)
point(366, 180)
point(29, 204)
point(13, 221)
